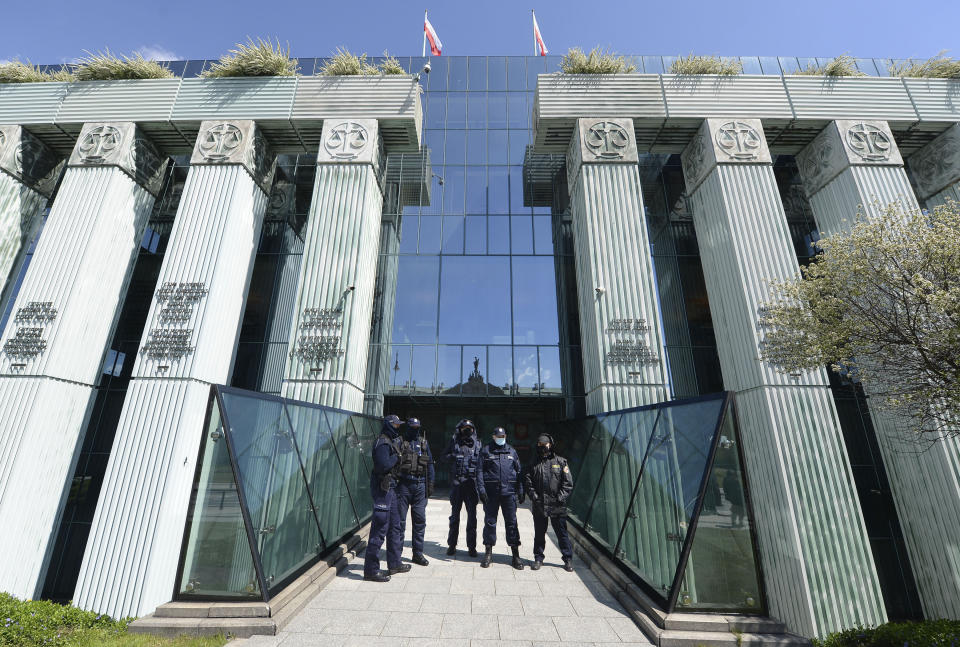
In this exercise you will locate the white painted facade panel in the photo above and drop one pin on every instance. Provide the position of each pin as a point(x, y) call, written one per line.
point(744, 95)
point(822, 97)
point(20, 218)
point(935, 99)
point(128, 100)
point(31, 103)
point(234, 98)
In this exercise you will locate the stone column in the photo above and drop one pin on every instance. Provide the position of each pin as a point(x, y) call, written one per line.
point(63, 320)
point(189, 342)
point(936, 169)
point(378, 364)
point(330, 335)
point(855, 163)
point(28, 174)
point(812, 536)
point(621, 335)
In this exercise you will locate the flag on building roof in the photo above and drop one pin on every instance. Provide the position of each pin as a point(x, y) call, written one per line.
point(431, 35)
point(540, 48)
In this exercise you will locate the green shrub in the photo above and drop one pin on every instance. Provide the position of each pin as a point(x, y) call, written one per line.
point(596, 62)
point(260, 58)
point(105, 66)
point(391, 65)
point(18, 72)
point(843, 65)
point(343, 63)
point(935, 67)
point(929, 633)
point(706, 65)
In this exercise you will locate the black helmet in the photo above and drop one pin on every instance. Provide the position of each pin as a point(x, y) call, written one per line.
point(466, 422)
point(413, 423)
point(393, 420)
point(499, 431)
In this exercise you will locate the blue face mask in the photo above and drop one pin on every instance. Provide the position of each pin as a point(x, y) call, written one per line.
point(500, 441)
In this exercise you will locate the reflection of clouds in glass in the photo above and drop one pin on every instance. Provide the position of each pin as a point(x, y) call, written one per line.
point(546, 375)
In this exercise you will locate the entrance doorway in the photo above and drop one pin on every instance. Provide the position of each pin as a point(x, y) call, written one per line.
point(523, 418)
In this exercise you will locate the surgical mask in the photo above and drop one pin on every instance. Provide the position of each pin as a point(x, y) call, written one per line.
point(500, 441)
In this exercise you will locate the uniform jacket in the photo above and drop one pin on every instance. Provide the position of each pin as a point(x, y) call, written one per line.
point(386, 451)
point(416, 442)
point(549, 484)
point(501, 470)
point(463, 458)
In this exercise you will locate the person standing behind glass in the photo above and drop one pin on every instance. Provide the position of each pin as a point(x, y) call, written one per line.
point(386, 456)
point(414, 486)
point(462, 454)
point(549, 483)
point(500, 488)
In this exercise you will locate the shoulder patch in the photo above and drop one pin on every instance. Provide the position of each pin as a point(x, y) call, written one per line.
point(566, 469)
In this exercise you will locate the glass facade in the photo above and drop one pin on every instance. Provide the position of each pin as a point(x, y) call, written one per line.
point(661, 490)
point(279, 484)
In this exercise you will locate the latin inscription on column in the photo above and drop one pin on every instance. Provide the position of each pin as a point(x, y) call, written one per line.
point(28, 341)
point(172, 338)
point(627, 339)
point(319, 340)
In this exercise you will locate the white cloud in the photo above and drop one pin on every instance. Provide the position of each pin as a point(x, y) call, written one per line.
point(156, 53)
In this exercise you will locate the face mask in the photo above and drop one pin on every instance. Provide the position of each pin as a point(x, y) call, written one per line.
point(543, 449)
point(500, 441)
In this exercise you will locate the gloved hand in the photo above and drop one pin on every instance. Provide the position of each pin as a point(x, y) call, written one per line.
point(483, 498)
point(521, 498)
point(429, 489)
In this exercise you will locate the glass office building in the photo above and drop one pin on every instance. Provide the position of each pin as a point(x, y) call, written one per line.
point(470, 305)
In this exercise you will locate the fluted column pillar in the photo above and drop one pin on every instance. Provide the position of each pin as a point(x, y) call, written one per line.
point(936, 169)
point(330, 334)
point(189, 342)
point(621, 334)
point(28, 173)
point(62, 321)
point(378, 364)
point(854, 163)
point(811, 531)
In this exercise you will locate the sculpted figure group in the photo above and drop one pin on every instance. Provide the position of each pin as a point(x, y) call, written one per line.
point(491, 474)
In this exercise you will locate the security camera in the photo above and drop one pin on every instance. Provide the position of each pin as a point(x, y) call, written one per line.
point(600, 289)
point(426, 68)
point(351, 288)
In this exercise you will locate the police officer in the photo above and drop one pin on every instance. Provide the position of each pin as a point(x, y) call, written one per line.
point(414, 485)
point(500, 487)
point(549, 483)
point(462, 454)
point(386, 456)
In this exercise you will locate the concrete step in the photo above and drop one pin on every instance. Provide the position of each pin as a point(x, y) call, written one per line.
point(728, 639)
point(173, 627)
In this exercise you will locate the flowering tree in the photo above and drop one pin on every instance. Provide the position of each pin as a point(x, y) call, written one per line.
point(880, 304)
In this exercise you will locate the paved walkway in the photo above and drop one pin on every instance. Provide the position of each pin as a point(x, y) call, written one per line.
point(455, 603)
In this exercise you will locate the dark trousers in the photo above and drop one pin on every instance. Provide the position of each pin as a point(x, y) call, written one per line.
point(540, 534)
point(507, 503)
point(412, 494)
point(382, 526)
point(463, 495)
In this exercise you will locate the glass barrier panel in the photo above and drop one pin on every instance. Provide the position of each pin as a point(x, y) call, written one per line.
point(331, 499)
point(217, 560)
point(273, 485)
point(620, 475)
point(721, 571)
point(656, 526)
point(355, 444)
point(585, 486)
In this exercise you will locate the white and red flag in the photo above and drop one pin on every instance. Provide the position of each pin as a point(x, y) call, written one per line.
point(539, 47)
point(430, 34)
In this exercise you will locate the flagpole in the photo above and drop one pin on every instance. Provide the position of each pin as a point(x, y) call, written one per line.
point(534, 15)
point(424, 33)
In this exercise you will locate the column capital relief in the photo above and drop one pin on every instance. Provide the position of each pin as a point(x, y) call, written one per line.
point(937, 165)
point(723, 141)
point(28, 159)
point(121, 144)
point(844, 143)
point(351, 141)
point(601, 140)
point(238, 142)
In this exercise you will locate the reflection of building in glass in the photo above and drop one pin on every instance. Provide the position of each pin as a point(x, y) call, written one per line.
point(496, 247)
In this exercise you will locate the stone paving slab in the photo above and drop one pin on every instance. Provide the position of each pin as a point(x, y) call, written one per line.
point(455, 603)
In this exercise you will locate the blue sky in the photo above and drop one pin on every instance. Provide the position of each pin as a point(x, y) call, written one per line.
point(54, 31)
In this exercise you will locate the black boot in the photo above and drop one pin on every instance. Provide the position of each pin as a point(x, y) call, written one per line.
point(487, 556)
point(473, 552)
point(537, 563)
point(419, 560)
point(451, 550)
point(379, 576)
point(516, 563)
point(402, 568)
point(568, 564)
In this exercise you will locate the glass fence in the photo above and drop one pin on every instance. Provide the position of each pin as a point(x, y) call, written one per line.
point(661, 490)
point(279, 483)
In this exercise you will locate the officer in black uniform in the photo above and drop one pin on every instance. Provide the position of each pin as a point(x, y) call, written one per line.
point(549, 483)
point(500, 488)
point(414, 486)
point(386, 456)
point(462, 455)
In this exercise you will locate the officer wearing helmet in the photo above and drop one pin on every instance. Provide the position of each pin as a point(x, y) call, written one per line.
point(414, 486)
point(549, 483)
point(462, 455)
point(383, 481)
point(500, 488)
